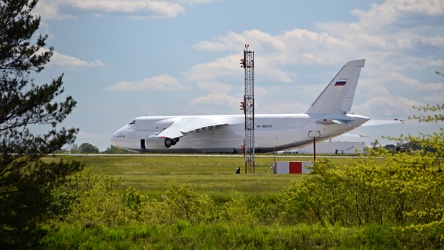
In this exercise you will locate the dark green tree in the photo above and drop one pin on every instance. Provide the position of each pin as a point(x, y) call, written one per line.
point(87, 148)
point(25, 178)
point(113, 150)
point(74, 149)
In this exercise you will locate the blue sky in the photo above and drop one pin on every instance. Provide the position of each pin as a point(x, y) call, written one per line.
point(128, 58)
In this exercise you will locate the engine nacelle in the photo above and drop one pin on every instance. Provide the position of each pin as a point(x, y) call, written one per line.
point(154, 142)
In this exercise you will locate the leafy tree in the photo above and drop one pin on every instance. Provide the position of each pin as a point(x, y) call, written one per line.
point(98, 200)
point(25, 179)
point(183, 203)
point(113, 150)
point(87, 148)
point(436, 116)
point(390, 147)
point(404, 189)
point(74, 149)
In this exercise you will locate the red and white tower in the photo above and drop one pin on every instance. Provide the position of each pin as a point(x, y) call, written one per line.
point(248, 106)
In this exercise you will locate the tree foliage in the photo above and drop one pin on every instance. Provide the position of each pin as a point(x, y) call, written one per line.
point(404, 189)
point(25, 180)
point(435, 117)
point(435, 110)
point(103, 213)
point(87, 148)
point(113, 150)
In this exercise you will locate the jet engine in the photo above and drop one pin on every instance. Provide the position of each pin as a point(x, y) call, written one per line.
point(154, 142)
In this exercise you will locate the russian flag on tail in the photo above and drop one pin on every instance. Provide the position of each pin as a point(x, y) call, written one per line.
point(340, 83)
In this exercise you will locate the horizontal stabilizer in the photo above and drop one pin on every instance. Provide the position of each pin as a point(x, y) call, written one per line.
point(332, 121)
point(382, 122)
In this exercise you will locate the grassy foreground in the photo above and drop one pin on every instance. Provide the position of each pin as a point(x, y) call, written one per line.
point(212, 174)
point(198, 202)
point(182, 235)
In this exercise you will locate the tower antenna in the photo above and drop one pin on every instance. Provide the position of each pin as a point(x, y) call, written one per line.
point(248, 107)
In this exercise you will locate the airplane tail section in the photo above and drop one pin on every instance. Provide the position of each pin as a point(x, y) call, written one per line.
point(338, 96)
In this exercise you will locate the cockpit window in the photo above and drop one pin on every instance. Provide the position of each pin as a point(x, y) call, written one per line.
point(133, 122)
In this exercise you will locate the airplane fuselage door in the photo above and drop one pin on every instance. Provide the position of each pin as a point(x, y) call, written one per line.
point(142, 145)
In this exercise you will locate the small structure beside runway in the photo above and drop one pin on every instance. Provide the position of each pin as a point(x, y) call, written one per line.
point(292, 167)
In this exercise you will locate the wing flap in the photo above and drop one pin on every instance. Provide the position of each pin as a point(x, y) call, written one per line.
point(188, 125)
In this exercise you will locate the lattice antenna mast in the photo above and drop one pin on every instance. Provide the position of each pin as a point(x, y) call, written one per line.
point(248, 106)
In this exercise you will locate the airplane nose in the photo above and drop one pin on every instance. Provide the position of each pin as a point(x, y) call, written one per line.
point(116, 138)
point(120, 138)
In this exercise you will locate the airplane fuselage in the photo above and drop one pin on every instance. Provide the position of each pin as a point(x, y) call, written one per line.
point(272, 132)
point(327, 117)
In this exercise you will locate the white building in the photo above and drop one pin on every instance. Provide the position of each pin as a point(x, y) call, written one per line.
point(344, 144)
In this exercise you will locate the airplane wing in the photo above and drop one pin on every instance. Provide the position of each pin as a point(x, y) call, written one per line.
point(187, 125)
point(381, 122)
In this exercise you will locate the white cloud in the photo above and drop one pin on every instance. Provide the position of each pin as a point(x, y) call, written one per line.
point(195, 1)
point(229, 42)
point(160, 83)
point(62, 9)
point(387, 106)
point(285, 108)
point(387, 13)
point(73, 62)
point(216, 99)
point(221, 67)
point(415, 84)
point(48, 11)
point(233, 41)
point(399, 39)
point(437, 63)
point(274, 52)
point(159, 9)
point(215, 86)
point(51, 9)
point(395, 80)
point(62, 60)
point(434, 97)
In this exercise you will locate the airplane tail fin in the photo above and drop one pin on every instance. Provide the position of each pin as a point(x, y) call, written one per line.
point(338, 96)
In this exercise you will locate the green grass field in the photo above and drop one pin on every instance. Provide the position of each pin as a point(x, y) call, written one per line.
point(217, 209)
point(213, 174)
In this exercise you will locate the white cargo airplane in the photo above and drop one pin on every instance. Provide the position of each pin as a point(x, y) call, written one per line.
point(326, 118)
